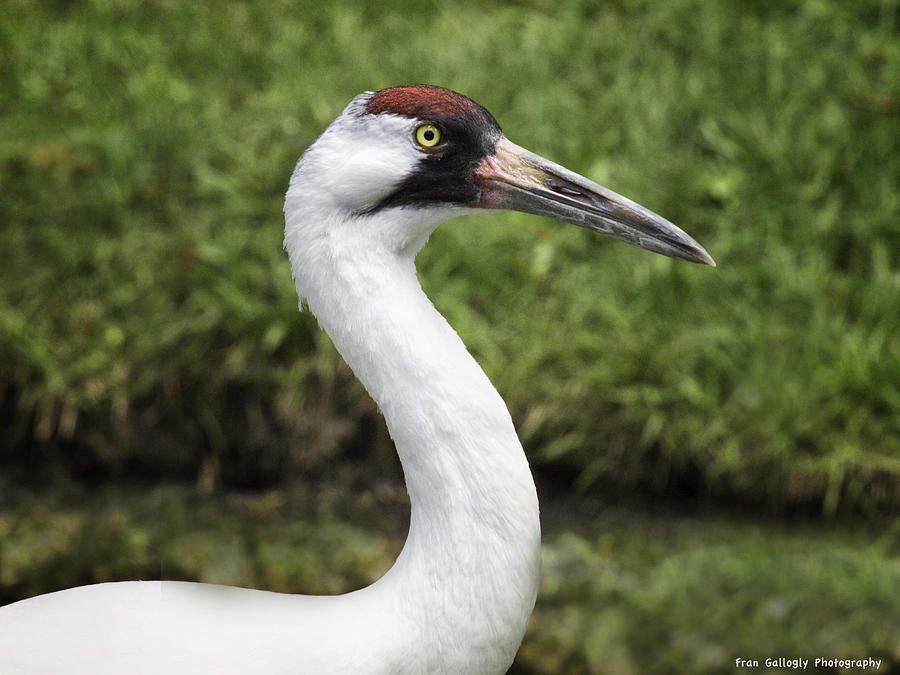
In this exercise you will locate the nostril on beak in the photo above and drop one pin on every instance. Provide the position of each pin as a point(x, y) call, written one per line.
point(566, 191)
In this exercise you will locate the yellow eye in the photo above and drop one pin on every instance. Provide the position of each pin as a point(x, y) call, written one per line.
point(427, 135)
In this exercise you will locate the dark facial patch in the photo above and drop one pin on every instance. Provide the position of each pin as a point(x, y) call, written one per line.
point(446, 173)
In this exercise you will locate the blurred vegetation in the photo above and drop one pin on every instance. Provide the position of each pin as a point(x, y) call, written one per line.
point(148, 316)
point(647, 594)
point(149, 327)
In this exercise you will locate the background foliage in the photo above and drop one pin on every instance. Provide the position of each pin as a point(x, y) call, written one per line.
point(148, 323)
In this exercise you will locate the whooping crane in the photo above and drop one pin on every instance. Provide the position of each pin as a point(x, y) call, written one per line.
point(362, 202)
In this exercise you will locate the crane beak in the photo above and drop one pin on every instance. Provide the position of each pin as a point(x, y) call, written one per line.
point(515, 179)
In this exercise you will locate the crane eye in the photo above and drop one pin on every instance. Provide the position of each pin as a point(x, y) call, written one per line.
point(427, 135)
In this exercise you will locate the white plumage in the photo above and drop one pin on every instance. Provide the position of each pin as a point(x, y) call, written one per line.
point(362, 201)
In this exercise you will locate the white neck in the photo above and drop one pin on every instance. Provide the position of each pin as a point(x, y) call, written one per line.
point(467, 577)
point(458, 598)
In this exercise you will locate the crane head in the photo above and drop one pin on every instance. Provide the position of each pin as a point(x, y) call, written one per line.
point(423, 154)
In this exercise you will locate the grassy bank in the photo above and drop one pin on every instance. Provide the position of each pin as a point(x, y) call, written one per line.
point(620, 592)
point(148, 321)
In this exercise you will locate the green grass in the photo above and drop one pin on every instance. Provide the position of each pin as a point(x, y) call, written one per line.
point(147, 316)
point(151, 145)
point(689, 595)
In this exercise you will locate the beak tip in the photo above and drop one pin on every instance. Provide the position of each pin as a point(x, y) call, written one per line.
point(695, 253)
point(707, 259)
